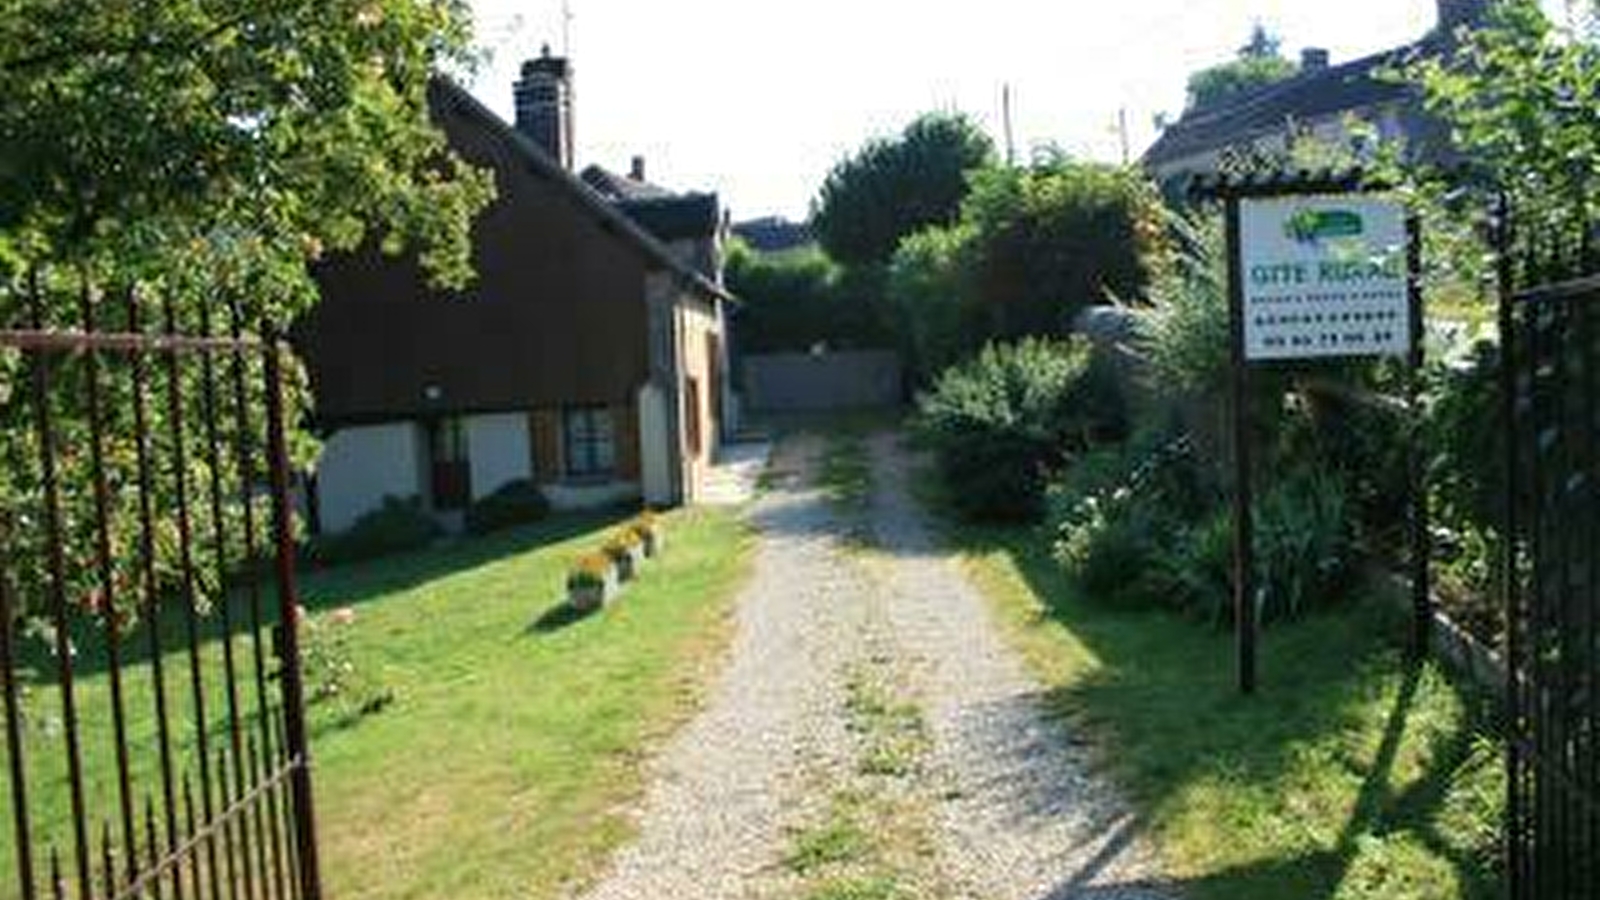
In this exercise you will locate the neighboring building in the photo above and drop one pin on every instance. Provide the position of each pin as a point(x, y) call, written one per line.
point(774, 234)
point(1259, 127)
point(588, 355)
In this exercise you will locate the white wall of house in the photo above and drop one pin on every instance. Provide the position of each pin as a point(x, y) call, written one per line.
point(360, 466)
point(498, 451)
point(591, 496)
point(655, 447)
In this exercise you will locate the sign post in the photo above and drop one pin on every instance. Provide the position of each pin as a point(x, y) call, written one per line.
point(1316, 272)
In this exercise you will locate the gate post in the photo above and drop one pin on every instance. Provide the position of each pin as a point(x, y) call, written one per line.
point(305, 832)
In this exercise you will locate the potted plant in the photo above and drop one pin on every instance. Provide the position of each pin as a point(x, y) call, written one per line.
point(627, 551)
point(647, 525)
point(592, 582)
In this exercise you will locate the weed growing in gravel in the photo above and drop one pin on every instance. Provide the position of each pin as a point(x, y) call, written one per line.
point(894, 732)
point(871, 887)
point(847, 471)
point(838, 840)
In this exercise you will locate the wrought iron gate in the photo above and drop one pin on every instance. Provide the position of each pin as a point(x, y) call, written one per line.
point(150, 663)
point(1550, 326)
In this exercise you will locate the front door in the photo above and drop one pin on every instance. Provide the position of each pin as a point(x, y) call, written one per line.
point(450, 476)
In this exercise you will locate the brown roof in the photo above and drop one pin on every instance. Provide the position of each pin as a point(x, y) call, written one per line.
point(557, 314)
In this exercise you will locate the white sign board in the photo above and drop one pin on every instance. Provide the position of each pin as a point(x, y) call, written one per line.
point(1324, 276)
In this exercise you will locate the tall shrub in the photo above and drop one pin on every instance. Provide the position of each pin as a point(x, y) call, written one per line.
point(1001, 422)
point(1060, 236)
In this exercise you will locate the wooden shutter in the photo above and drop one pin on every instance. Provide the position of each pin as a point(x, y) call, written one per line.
point(545, 427)
point(625, 432)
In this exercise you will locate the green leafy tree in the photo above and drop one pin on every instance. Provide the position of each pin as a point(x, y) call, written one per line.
point(931, 299)
point(202, 154)
point(1051, 240)
point(797, 299)
point(1521, 99)
point(251, 137)
point(893, 188)
point(1258, 63)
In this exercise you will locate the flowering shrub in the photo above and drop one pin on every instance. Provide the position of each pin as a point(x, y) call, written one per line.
point(590, 571)
point(332, 677)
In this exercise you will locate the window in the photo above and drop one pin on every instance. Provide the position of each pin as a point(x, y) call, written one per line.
point(590, 442)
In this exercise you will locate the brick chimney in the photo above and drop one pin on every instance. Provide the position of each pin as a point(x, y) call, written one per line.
point(1455, 14)
point(636, 172)
point(1313, 59)
point(544, 105)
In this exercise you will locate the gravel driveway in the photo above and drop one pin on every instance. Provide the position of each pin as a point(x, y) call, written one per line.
point(993, 798)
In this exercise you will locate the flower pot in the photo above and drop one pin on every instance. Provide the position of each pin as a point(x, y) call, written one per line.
point(628, 563)
point(651, 541)
point(588, 597)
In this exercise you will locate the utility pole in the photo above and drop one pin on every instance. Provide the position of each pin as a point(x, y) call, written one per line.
point(1005, 118)
point(566, 28)
point(1122, 133)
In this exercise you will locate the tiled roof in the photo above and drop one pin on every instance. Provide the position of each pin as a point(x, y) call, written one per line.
point(1309, 96)
point(771, 234)
point(620, 188)
point(673, 218)
point(444, 90)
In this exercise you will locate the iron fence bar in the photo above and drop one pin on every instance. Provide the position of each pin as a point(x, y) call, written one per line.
point(152, 594)
point(219, 538)
point(244, 430)
point(229, 827)
point(47, 339)
point(1536, 594)
point(8, 683)
point(1592, 551)
point(107, 580)
point(1505, 265)
point(151, 851)
point(44, 425)
point(191, 832)
point(1560, 459)
point(253, 782)
point(180, 479)
point(290, 840)
point(289, 604)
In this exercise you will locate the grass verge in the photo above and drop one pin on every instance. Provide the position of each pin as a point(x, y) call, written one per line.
point(515, 737)
point(1351, 774)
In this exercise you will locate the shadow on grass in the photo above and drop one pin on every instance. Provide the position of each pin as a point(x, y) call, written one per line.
point(351, 584)
point(558, 617)
point(1168, 721)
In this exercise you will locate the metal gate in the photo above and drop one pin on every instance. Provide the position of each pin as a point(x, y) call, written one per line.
point(148, 648)
point(1550, 323)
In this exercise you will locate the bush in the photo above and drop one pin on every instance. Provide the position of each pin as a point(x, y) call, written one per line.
point(395, 527)
point(1303, 548)
point(1118, 517)
point(999, 424)
point(1060, 236)
point(334, 675)
point(513, 503)
point(799, 298)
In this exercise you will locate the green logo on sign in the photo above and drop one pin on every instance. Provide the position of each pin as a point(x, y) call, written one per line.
point(1308, 226)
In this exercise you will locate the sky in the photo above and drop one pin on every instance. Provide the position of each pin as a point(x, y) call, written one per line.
point(757, 99)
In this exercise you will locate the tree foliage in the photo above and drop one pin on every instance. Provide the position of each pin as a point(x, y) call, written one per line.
point(1032, 249)
point(893, 188)
point(253, 136)
point(1059, 237)
point(1258, 63)
point(797, 299)
point(1522, 101)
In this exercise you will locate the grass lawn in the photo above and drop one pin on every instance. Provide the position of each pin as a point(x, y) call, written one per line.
point(503, 766)
point(1349, 775)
